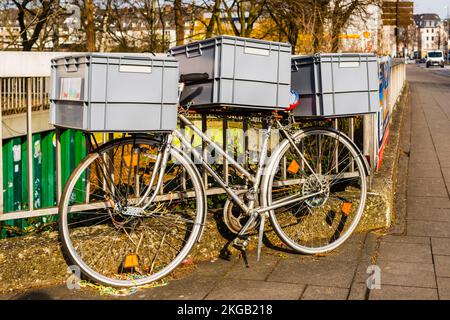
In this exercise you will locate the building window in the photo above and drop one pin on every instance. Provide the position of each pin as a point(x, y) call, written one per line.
point(432, 38)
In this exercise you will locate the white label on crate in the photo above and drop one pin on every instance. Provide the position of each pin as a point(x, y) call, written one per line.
point(135, 69)
point(16, 168)
point(70, 89)
point(349, 64)
point(17, 153)
point(259, 52)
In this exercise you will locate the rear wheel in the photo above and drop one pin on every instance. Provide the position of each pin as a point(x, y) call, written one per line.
point(114, 235)
point(332, 167)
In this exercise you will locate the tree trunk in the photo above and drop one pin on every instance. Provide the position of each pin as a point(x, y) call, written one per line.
point(179, 22)
point(320, 12)
point(90, 27)
point(335, 40)
point(215, 19)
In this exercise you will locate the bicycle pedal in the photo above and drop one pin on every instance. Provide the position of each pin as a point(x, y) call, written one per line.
point(240, 244)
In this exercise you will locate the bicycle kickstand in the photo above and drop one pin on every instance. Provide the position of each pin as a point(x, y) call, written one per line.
point(241, 241)
point(261, 235)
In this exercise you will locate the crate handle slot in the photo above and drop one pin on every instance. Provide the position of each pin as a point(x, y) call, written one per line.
point(71, 64)
point(133, 68)
point(257, 51)
point(349, 64)
point(195, 49)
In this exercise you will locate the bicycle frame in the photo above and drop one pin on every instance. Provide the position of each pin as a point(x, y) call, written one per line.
point(247, 207)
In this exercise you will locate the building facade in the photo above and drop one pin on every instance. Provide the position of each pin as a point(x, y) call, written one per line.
point(431, 34)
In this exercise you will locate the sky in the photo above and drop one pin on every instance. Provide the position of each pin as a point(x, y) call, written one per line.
point(432, 6)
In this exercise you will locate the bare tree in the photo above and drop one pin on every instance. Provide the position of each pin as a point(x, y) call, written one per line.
point(290, 17)
point(242, 15)
point(32, 16)
point(341, 13)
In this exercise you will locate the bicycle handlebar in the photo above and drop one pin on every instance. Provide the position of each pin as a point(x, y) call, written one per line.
point(194, 77)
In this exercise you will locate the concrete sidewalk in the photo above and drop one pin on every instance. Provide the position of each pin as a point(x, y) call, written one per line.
point(414, 256)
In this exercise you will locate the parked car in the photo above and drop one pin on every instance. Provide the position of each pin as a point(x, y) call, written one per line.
point(435, 58)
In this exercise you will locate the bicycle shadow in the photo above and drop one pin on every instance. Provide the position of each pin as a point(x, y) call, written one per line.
point(227, 254)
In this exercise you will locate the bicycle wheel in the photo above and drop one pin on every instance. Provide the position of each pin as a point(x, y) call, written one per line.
point(332, 166)
point(113, 236)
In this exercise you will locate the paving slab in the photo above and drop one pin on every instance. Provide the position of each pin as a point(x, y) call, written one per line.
point(405, 252)
point(349, 251)
point(322, 272)
point(443, 288)
point(238, 289)
point(426, 187)
point(419, 202)
point(446, 174)
point(429, 214)
point(406, 239)
point(324, 293)
point(358, 291)
point(442, 265)
point(388, 292)
point(407, 274)
point(194, 287)
point(421, 171)
point(257, 271)
point(428, 228)
point(440, 246)
point(444, 157)
point(215, 267)
point(424, 157)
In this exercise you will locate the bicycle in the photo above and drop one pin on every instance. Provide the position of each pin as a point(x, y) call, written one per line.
point(134, 207)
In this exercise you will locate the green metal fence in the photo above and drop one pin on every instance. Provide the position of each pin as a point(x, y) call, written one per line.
point(44, 163)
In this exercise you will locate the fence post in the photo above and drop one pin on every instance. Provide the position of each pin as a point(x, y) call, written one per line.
point(58, 164)
point(370, 139)
point(1, 146)
point(225, 147)
point(29, 145)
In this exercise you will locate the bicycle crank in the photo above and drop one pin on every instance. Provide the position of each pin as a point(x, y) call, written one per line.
point(235, 219)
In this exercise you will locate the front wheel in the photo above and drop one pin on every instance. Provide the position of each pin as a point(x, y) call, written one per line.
point(118, 231)
point(330, 166)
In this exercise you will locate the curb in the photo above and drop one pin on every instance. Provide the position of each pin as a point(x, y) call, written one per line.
point(380, 212)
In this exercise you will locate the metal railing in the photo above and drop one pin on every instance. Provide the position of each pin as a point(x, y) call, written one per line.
point(25, 95)
point(15, 92)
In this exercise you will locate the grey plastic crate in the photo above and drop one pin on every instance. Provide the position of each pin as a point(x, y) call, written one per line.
point(243, 73)
point(114, 92)
point(336, 85)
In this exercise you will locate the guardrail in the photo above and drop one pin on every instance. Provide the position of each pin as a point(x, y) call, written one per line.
point(29, 94)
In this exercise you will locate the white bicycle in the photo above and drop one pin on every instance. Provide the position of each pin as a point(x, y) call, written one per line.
point(133, 209)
